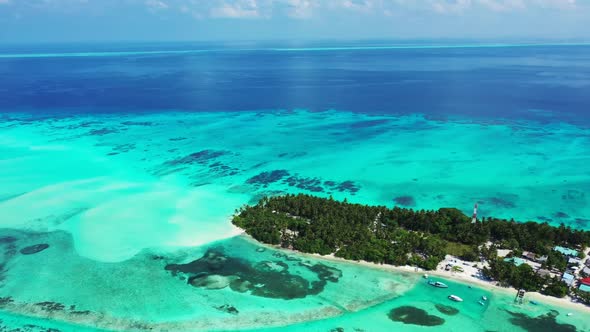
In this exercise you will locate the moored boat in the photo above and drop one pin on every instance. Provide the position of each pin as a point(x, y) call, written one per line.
point(455, 298)
point(437, 284)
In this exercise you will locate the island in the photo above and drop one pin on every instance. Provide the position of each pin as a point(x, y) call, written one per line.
point(423, 238)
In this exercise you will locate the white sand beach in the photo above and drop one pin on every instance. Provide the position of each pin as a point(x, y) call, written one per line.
point(469, 276)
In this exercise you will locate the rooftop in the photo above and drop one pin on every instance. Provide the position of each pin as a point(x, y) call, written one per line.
point(573, 260)
point(567, 276)
point(566, 251)
point(516, 260)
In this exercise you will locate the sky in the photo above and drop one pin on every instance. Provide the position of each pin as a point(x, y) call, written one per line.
point(43, 21)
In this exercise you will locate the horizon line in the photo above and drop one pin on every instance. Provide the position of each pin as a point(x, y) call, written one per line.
point(289, 49)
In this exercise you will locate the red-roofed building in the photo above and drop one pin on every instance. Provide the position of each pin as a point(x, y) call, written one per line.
point(586, 281)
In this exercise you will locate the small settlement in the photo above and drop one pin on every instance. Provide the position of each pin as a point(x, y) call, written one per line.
point(575, 273)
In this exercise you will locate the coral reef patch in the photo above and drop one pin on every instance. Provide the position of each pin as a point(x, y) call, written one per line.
point(414, 316)
point(405, 200)
point(446, 309)
point(265, 178)
point(311, 184)
point(202, 157)
point(34, 249)
point(271, 279)
point(543, 323)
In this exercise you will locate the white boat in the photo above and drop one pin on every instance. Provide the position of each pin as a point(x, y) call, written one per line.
point(484, 298)
point(481, 303)
point(455, 298)
point(437, 284)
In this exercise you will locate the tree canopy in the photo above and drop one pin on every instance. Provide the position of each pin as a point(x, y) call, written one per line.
point(396, 236)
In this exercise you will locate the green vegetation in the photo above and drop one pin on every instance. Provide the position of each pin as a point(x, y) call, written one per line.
point(555, 260)
point(400, 236)
point(523, 277)
point(459, 249)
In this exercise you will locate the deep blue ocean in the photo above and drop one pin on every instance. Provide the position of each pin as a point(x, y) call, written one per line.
point(119, 159)
point(544, 83)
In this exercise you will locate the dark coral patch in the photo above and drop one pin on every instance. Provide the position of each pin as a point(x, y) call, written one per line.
point(560, 215)
point(582, 223)
point(6, 300)
point(405, 200)
point(544, 219)
point(543, 323)
point(221, 169)
point(368, 123)
point(501, 202)
point(176, 139)
point(266, 279)
point(294, 155)
point(85, 124)
point(137, 123)
point(7, 239)
point(34, 249)
point(414, 316)
point(260, 164)
point(346, 186)
point(124, 147)
point(315, 184)
point(102, 131)
point(81, 312)
point(325, 272)
point(573, 195)
point(446, 309)
point(266, 178)
point(310, 184)
point(201, 157)
point(51, 306)
point(230, 309)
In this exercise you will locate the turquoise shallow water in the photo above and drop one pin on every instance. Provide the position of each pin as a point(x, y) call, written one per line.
point(139, 294)
point(118, 197)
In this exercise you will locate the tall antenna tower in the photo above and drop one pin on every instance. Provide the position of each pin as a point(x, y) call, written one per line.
point(474, 219)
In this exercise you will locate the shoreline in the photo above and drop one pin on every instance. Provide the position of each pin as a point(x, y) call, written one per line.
point(460, 277)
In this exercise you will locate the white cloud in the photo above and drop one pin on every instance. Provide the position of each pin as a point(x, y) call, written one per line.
point(236, 9)
point(450, 6)
point(305, 9)
point(156, 4)
point(503, 5)
point(301, 8)
point(556, 4)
